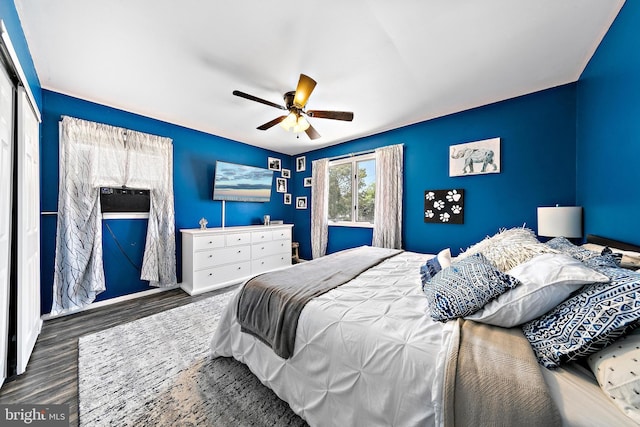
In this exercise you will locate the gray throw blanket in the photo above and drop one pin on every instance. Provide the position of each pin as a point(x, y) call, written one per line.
point(270, 304)
point(493, 379)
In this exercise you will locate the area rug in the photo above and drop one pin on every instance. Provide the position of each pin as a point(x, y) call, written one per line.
point(157, 371)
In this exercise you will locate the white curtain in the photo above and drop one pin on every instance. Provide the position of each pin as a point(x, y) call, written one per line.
point(387, 231)
point(319, 207)
point(94, 155)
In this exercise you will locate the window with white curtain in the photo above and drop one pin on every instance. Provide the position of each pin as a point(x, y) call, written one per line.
point(352, 190)
point(93, 155)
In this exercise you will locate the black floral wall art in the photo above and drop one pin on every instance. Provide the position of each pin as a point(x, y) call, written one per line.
point(444, 206)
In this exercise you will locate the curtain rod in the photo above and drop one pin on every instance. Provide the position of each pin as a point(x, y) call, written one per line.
point(357, 153)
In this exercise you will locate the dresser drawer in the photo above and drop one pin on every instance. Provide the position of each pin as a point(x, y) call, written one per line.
point(208, 242)
point(274, 247)
point(282, 235)
point(270, 262)
point(212, 258)
point(261, 236)
point(234, 239)
point(225, 273)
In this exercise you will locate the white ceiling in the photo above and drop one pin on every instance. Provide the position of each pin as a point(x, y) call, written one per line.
point(391, 63)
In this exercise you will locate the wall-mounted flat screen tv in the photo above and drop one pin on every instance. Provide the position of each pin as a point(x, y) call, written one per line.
point(241, 183)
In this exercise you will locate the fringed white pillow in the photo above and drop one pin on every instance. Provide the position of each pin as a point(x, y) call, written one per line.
point(509, 248)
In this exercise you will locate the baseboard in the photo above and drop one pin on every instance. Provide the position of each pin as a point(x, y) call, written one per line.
point(110, 301)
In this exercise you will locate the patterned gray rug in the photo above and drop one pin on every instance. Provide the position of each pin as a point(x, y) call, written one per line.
point(157, 371)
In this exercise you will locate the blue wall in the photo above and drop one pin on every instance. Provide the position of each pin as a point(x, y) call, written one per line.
point(194, 156)
point(537, 134)
point(9, 15)
point(608, 136)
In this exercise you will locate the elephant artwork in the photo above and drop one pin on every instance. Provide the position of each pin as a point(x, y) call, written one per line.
point(475, 158)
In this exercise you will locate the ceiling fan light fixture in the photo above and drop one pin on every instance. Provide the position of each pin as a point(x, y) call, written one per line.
point(295, 123)
point(289, 122)
point(301, 125)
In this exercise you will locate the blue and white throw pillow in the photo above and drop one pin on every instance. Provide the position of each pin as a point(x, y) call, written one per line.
point(465, 287)
point(588, 321)
point(562, 244)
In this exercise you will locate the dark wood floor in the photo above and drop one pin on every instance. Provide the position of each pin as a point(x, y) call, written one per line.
point(52, 373)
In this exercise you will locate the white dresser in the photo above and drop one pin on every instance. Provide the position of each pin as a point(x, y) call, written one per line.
point(218, 257)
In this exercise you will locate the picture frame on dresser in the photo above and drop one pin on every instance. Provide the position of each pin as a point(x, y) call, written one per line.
point(214, 258)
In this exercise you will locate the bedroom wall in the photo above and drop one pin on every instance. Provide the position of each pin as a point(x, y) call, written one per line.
point(608, 132)
point(538, 169)
point(194, 155)
point(9, 15)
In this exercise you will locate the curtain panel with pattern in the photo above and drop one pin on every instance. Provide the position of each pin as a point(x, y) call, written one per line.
point(94, 155)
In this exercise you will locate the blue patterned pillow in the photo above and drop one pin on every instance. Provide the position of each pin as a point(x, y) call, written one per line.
point(588, 321)
point(599, 262)
point(562, 244)
point(465, 287)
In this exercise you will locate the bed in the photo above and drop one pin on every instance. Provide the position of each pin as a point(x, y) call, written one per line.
point(370, 352)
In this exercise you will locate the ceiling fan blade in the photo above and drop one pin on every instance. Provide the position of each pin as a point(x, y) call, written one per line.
point(256, 99)
point(303, 91)
point(347, 116)
point(312, 133)
point(272, 123)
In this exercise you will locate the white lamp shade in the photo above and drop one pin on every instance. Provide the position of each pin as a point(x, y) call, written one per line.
point(565, 221)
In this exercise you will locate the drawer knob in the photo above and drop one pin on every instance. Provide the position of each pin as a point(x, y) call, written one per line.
point(239, 268)
point(210, 256)
point(210, 242)
point(210, 274)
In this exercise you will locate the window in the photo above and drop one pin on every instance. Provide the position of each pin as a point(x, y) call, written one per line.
point(352, 190)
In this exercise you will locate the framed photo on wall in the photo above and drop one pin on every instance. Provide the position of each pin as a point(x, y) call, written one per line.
point(281, 185)
point(301, 164)
point(307, 181)
point(274, 164)
point(285, 173)
point(475, 158)
point(301, 202)
point(287, 199)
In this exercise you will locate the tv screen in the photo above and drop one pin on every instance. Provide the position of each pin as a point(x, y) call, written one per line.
point(241, 183)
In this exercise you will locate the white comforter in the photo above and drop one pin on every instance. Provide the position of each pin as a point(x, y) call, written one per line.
point(367, 353)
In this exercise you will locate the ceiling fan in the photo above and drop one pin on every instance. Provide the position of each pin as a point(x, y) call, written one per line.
point(294, 104)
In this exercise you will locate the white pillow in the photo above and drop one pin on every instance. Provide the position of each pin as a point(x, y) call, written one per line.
point(546, 281)
point(617, 369)
point(444, 258)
